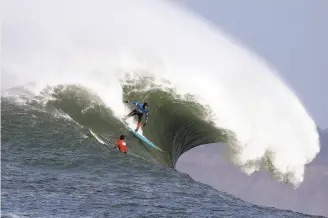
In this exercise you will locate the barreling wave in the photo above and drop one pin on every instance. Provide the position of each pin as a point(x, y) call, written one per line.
point(177, 123)
point(202, 86)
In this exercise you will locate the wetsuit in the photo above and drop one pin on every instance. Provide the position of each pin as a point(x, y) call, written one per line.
point(140, 111)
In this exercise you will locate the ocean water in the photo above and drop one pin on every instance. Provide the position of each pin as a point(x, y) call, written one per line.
point(52, 167)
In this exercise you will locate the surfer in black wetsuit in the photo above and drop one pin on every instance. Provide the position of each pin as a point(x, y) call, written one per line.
point(140, 111)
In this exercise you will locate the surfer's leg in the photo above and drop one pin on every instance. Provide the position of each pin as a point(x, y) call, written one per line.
point(132, 113)
point(139, 121)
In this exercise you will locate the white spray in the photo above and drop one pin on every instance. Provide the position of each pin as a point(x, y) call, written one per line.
point(94, 43)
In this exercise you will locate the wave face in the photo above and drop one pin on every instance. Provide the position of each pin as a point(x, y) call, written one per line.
point(202, 86)
point(176, 124)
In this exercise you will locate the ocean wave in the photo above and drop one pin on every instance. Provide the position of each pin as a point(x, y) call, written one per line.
point(176, 124)
point(178, 55)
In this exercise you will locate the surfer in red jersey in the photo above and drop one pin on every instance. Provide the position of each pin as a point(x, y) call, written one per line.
point(121, 145)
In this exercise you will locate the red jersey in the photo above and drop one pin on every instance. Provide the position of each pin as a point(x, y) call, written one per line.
point(121, 144)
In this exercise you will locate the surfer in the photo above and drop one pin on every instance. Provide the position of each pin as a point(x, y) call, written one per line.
point(140, 111)
point(121, 145)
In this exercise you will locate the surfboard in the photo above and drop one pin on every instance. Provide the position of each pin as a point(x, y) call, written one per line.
point(97, 137)
point(141, 137)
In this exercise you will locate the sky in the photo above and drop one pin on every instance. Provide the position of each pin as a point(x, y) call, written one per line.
point(292, 36)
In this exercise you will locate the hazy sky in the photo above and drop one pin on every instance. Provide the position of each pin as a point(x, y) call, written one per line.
point(291, 35)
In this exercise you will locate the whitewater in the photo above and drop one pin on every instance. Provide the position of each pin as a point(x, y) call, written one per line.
point(101, 45)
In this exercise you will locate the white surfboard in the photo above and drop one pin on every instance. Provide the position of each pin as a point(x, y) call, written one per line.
point(97, 137)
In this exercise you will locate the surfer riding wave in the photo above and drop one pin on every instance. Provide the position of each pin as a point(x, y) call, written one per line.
point(139, 111)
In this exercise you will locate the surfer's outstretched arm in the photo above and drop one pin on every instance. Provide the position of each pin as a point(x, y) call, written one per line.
point(146, 119)
point(132, 102)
